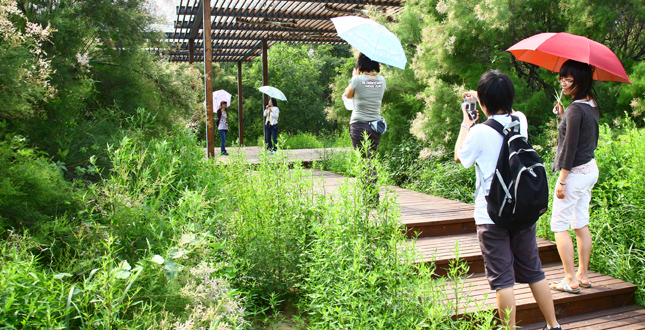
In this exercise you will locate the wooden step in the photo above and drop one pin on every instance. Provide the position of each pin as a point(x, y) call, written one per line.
point(442, 250)
point(629, 317)
point(606, 293)
point(428, 216)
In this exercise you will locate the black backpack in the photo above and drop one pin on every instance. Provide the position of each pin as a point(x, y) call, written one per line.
point(519, 192)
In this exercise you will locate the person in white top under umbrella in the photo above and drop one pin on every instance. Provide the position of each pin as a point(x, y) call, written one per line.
point(271, 114)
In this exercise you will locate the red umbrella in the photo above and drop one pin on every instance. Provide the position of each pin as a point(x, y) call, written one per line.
point(551, 50)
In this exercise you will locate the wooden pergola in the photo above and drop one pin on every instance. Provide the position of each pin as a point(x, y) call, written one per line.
point(242, 30)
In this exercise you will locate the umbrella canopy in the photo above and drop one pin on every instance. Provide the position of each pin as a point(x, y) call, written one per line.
point(273, 92)
point(551, 50)
point(220, 96)
point(372, 39)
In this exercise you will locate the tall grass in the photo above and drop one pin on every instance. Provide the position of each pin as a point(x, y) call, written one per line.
point(141, 252)
point(618, 205)
point(168, 240)
point(305, 140)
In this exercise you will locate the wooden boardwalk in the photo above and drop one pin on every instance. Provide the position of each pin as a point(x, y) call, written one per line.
point(253, 154)
point(439, 223)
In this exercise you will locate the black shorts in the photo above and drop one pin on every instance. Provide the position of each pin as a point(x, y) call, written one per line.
point(509, 256)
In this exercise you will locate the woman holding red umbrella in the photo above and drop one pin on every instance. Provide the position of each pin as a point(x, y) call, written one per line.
point(574, 159)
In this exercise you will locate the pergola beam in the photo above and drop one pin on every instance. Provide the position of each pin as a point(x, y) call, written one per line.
point(251, 51)
point(199, 18)
point(268, 37)
point(256, 13)
point(192, 10)
point(258, 26)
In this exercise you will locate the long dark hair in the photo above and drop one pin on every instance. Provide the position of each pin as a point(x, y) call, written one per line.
point(219, 112)
point(582, 74)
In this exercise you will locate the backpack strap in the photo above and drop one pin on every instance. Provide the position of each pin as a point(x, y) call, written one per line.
point(513, 125)
point(502, 130)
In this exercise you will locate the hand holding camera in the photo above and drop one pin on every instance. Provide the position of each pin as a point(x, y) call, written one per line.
point(470, 106)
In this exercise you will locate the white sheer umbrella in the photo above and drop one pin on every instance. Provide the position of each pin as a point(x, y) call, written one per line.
point(372, 39)
point(273, 92)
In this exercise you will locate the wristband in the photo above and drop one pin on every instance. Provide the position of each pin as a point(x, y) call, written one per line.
point(562, 183)
point(465, 126)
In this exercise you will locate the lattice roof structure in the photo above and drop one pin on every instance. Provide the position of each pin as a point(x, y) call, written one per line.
point(242, 30)
point(239, 26)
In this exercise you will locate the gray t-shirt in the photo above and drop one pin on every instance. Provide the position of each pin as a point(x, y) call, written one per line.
point(368, 94)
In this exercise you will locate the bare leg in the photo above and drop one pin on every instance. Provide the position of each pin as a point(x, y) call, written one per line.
point(544, 299)
point(506, 307)
point(565, 249)
point(584, 253)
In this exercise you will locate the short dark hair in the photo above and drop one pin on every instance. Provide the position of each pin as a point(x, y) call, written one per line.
point(495, 91)
point(582, 74)
point(365, 64)
point(273, 101)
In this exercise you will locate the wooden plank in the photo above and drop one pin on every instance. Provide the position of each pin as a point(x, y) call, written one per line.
point(615, 318)
point(607, 292)
point(443, 248)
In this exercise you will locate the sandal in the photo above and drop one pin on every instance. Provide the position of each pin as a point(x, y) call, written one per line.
point(584, 285)
point(565, 287)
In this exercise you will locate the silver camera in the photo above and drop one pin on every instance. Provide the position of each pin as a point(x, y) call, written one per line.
point(471, 106)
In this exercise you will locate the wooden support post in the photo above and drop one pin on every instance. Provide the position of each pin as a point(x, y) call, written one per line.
point(240, 120)
point(265, 82)
point(208, 77)
point(191, 51)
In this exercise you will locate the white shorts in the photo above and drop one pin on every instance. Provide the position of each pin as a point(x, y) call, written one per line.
point(572, 212)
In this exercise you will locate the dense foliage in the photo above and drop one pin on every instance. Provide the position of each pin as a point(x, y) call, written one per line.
point(168, 240)
point(73, 73)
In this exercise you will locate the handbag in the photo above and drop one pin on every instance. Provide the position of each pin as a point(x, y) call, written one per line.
point(379, 126)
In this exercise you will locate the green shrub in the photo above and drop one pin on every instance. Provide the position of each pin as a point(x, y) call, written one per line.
point(618, 205)
point(432, 172)
point(145, 252)
point(32, 189)
point(301, 141)
point(267, 211)
point(29, 297)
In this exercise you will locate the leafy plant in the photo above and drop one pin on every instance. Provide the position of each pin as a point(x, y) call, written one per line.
point(32, 189)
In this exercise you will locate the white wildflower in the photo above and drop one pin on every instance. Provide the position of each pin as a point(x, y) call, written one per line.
point(83, 59)
point(442, 7)
point(450, 44)
point(417, 129)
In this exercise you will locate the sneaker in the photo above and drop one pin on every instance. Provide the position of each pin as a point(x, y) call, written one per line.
point(224, 153)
